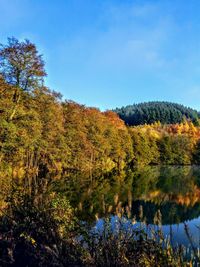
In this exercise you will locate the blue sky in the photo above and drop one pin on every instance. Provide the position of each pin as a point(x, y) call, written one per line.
point(111, 53)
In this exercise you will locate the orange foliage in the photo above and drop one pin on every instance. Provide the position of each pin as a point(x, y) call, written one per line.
point(114, 119)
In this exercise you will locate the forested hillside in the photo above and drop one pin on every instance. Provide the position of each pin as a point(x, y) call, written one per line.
point(40, 132)
point(150, 112)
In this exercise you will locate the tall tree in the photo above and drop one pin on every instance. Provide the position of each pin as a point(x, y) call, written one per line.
point(21, 66)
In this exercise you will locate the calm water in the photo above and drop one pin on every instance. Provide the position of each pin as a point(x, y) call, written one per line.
point(175, 191)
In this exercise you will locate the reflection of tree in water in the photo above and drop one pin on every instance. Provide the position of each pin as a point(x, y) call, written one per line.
point(172, 213)
point(172, 179)
point(97, 196)
point(173, 190)
point(176, 194)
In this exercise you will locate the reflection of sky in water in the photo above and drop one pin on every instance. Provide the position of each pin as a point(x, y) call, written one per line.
point(177, 230)
point(173, 190)
point(179, 234)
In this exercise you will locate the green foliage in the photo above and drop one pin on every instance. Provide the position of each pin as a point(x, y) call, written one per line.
point(175, 144)
point(150, 112)
point(38, 232)
point(145, 148)
point(32, 234)
point(196, 153)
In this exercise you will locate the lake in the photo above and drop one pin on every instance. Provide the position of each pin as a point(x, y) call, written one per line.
point(140, 194)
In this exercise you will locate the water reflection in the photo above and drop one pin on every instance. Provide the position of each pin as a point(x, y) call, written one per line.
point(175, 191)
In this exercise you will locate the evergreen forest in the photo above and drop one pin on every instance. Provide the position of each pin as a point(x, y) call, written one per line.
point(150, 112)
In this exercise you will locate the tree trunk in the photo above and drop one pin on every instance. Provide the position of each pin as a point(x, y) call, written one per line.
point(16, 99)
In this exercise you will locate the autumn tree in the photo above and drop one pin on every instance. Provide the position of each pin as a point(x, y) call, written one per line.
point(22, 67)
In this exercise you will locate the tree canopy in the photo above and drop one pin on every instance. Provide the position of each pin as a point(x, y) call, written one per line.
point(39, 132)
point(150, 112)
point(20, 64)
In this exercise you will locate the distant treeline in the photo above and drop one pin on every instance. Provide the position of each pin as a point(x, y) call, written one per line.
point(150, 112)
point(175, 144)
